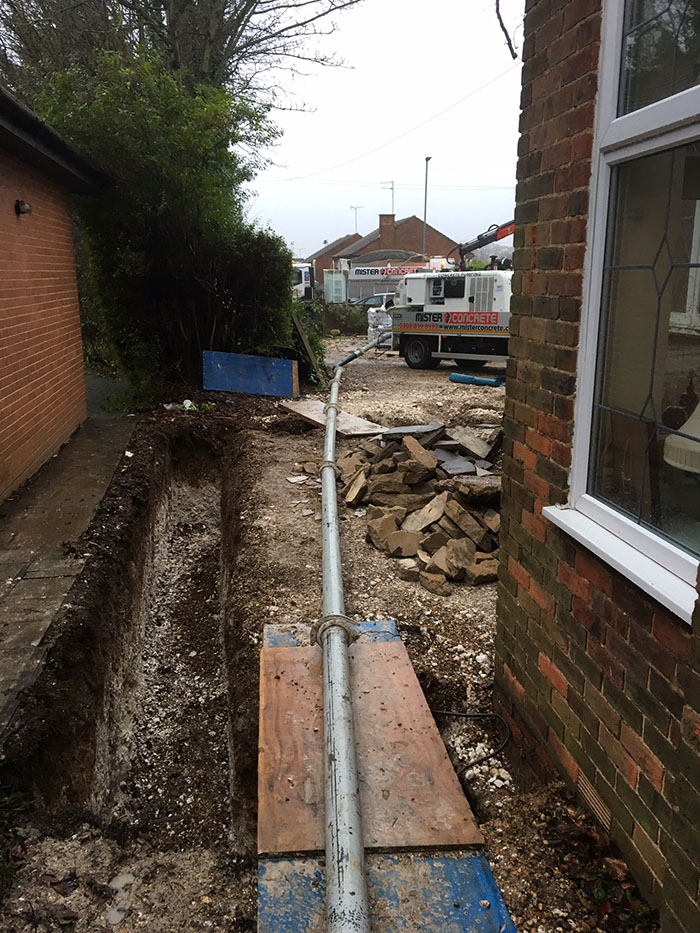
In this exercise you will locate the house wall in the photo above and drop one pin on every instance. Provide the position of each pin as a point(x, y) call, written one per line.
point(599, 683)
point(42, 386)
point(408, 235)
point(325, 260)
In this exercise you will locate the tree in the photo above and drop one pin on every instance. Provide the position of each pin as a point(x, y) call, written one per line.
point(232, 43)
point(176, 268)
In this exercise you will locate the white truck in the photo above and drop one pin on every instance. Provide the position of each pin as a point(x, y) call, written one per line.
point(461, 316)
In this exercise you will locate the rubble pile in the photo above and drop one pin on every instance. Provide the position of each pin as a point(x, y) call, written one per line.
point(432, 504)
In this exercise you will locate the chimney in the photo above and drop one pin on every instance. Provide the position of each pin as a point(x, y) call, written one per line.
point(387, 231)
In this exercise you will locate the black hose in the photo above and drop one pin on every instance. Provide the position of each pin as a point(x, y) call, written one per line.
point(492, 754)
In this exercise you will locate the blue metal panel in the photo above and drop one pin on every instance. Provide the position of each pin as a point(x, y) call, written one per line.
point(254, 375)
point(451, 893)
point(294, 635)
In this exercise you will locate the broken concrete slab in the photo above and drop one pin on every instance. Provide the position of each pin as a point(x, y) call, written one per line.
point(434, 541)
point(484, 572)
point(459, 555)
point(438, 562)
point(413, 472)
point(390, 483)
point(450, 528)
point(378, 511)
point(469, 525)
point(435, 583)
point(471, 442)
point(432, 512)
point(403, 543)
point(379, 530)
point(356, 489)
point(458, 466)
point(418, 453)
point(492, 520)
point(408, 501)
point(414, 429)
point(408, 569)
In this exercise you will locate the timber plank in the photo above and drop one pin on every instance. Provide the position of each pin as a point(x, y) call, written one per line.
point(312, 411)
point(410, 794)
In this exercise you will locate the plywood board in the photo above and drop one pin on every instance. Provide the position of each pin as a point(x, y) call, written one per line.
point(253, 375)
point(312, 411)
point(410, 794)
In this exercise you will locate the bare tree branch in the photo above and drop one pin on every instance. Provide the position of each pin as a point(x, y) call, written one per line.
point(505, 31)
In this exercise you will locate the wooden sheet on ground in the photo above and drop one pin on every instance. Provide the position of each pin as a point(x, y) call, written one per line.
point(311, 410)
point(410, 794)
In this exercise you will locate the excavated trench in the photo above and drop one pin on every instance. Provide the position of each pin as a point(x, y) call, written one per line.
point(144, 720)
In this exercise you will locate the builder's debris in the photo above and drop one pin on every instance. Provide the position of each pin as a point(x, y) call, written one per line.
point(431, 504)
point(313, 411)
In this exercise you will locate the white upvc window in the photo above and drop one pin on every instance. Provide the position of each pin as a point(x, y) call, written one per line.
point(635, 480)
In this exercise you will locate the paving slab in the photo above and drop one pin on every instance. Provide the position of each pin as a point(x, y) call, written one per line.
point(37, 523)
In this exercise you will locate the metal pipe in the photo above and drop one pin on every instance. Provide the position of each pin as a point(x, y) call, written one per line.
point(346, 885)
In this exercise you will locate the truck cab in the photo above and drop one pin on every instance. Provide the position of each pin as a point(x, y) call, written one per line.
point(462, 316)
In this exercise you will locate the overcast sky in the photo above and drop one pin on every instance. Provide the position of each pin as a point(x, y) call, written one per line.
point(443, 64)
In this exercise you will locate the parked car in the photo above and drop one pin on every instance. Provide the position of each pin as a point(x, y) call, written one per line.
point(381, 302)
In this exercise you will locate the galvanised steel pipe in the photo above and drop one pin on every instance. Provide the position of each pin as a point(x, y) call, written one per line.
point(346, 884)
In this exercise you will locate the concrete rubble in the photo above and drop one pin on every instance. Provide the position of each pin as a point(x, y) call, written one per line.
point(428, 505)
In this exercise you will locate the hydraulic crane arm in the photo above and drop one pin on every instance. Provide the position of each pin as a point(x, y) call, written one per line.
point(494, 233)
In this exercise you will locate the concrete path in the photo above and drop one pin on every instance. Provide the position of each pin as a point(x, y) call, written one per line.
point(49, 512)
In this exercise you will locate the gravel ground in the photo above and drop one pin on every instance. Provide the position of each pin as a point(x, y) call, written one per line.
point(554, 868)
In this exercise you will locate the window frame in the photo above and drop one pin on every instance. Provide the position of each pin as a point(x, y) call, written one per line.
point(665, 571)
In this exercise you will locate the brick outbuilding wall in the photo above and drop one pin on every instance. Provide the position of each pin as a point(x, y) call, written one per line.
point(599, 682)
point(42, 386)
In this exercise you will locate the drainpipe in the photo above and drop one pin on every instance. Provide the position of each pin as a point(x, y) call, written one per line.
point(346, 886)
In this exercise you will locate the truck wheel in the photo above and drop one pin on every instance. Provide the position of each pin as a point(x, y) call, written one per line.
point(417, 354)
point(466, 365)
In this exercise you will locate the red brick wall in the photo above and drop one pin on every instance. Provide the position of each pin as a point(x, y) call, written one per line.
point(325, 261)
point(598, 681)
point(409, 236)
point(42, 386)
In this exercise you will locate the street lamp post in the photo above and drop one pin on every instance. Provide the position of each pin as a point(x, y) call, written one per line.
point(425, 201)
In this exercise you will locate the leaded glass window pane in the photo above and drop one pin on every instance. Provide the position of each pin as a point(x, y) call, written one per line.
point(660, 51)
point(645, 451)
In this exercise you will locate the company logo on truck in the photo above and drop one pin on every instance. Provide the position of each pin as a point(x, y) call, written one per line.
point(470, 317)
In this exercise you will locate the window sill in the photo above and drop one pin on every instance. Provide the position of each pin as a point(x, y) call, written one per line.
point(665, 587)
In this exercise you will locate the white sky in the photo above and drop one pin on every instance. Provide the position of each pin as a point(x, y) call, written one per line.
point(407, 60)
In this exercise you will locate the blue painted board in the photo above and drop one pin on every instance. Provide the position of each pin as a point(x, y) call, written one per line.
point(450, 893)
point(253, 375)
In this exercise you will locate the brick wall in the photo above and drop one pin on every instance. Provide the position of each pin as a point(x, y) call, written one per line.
point(42, 387)
point(599, 682)
point(325, 260)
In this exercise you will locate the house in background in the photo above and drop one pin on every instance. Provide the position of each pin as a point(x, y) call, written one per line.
point(598, 639)
point(393, 241)
point(405, 235)
point(42, 386)
point(323, 258)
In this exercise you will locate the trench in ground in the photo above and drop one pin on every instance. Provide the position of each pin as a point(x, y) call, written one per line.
point(168, 702)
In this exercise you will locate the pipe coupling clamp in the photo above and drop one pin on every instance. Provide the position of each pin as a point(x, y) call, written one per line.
point(327, 407)
point(330, 621)
point(328, 463)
